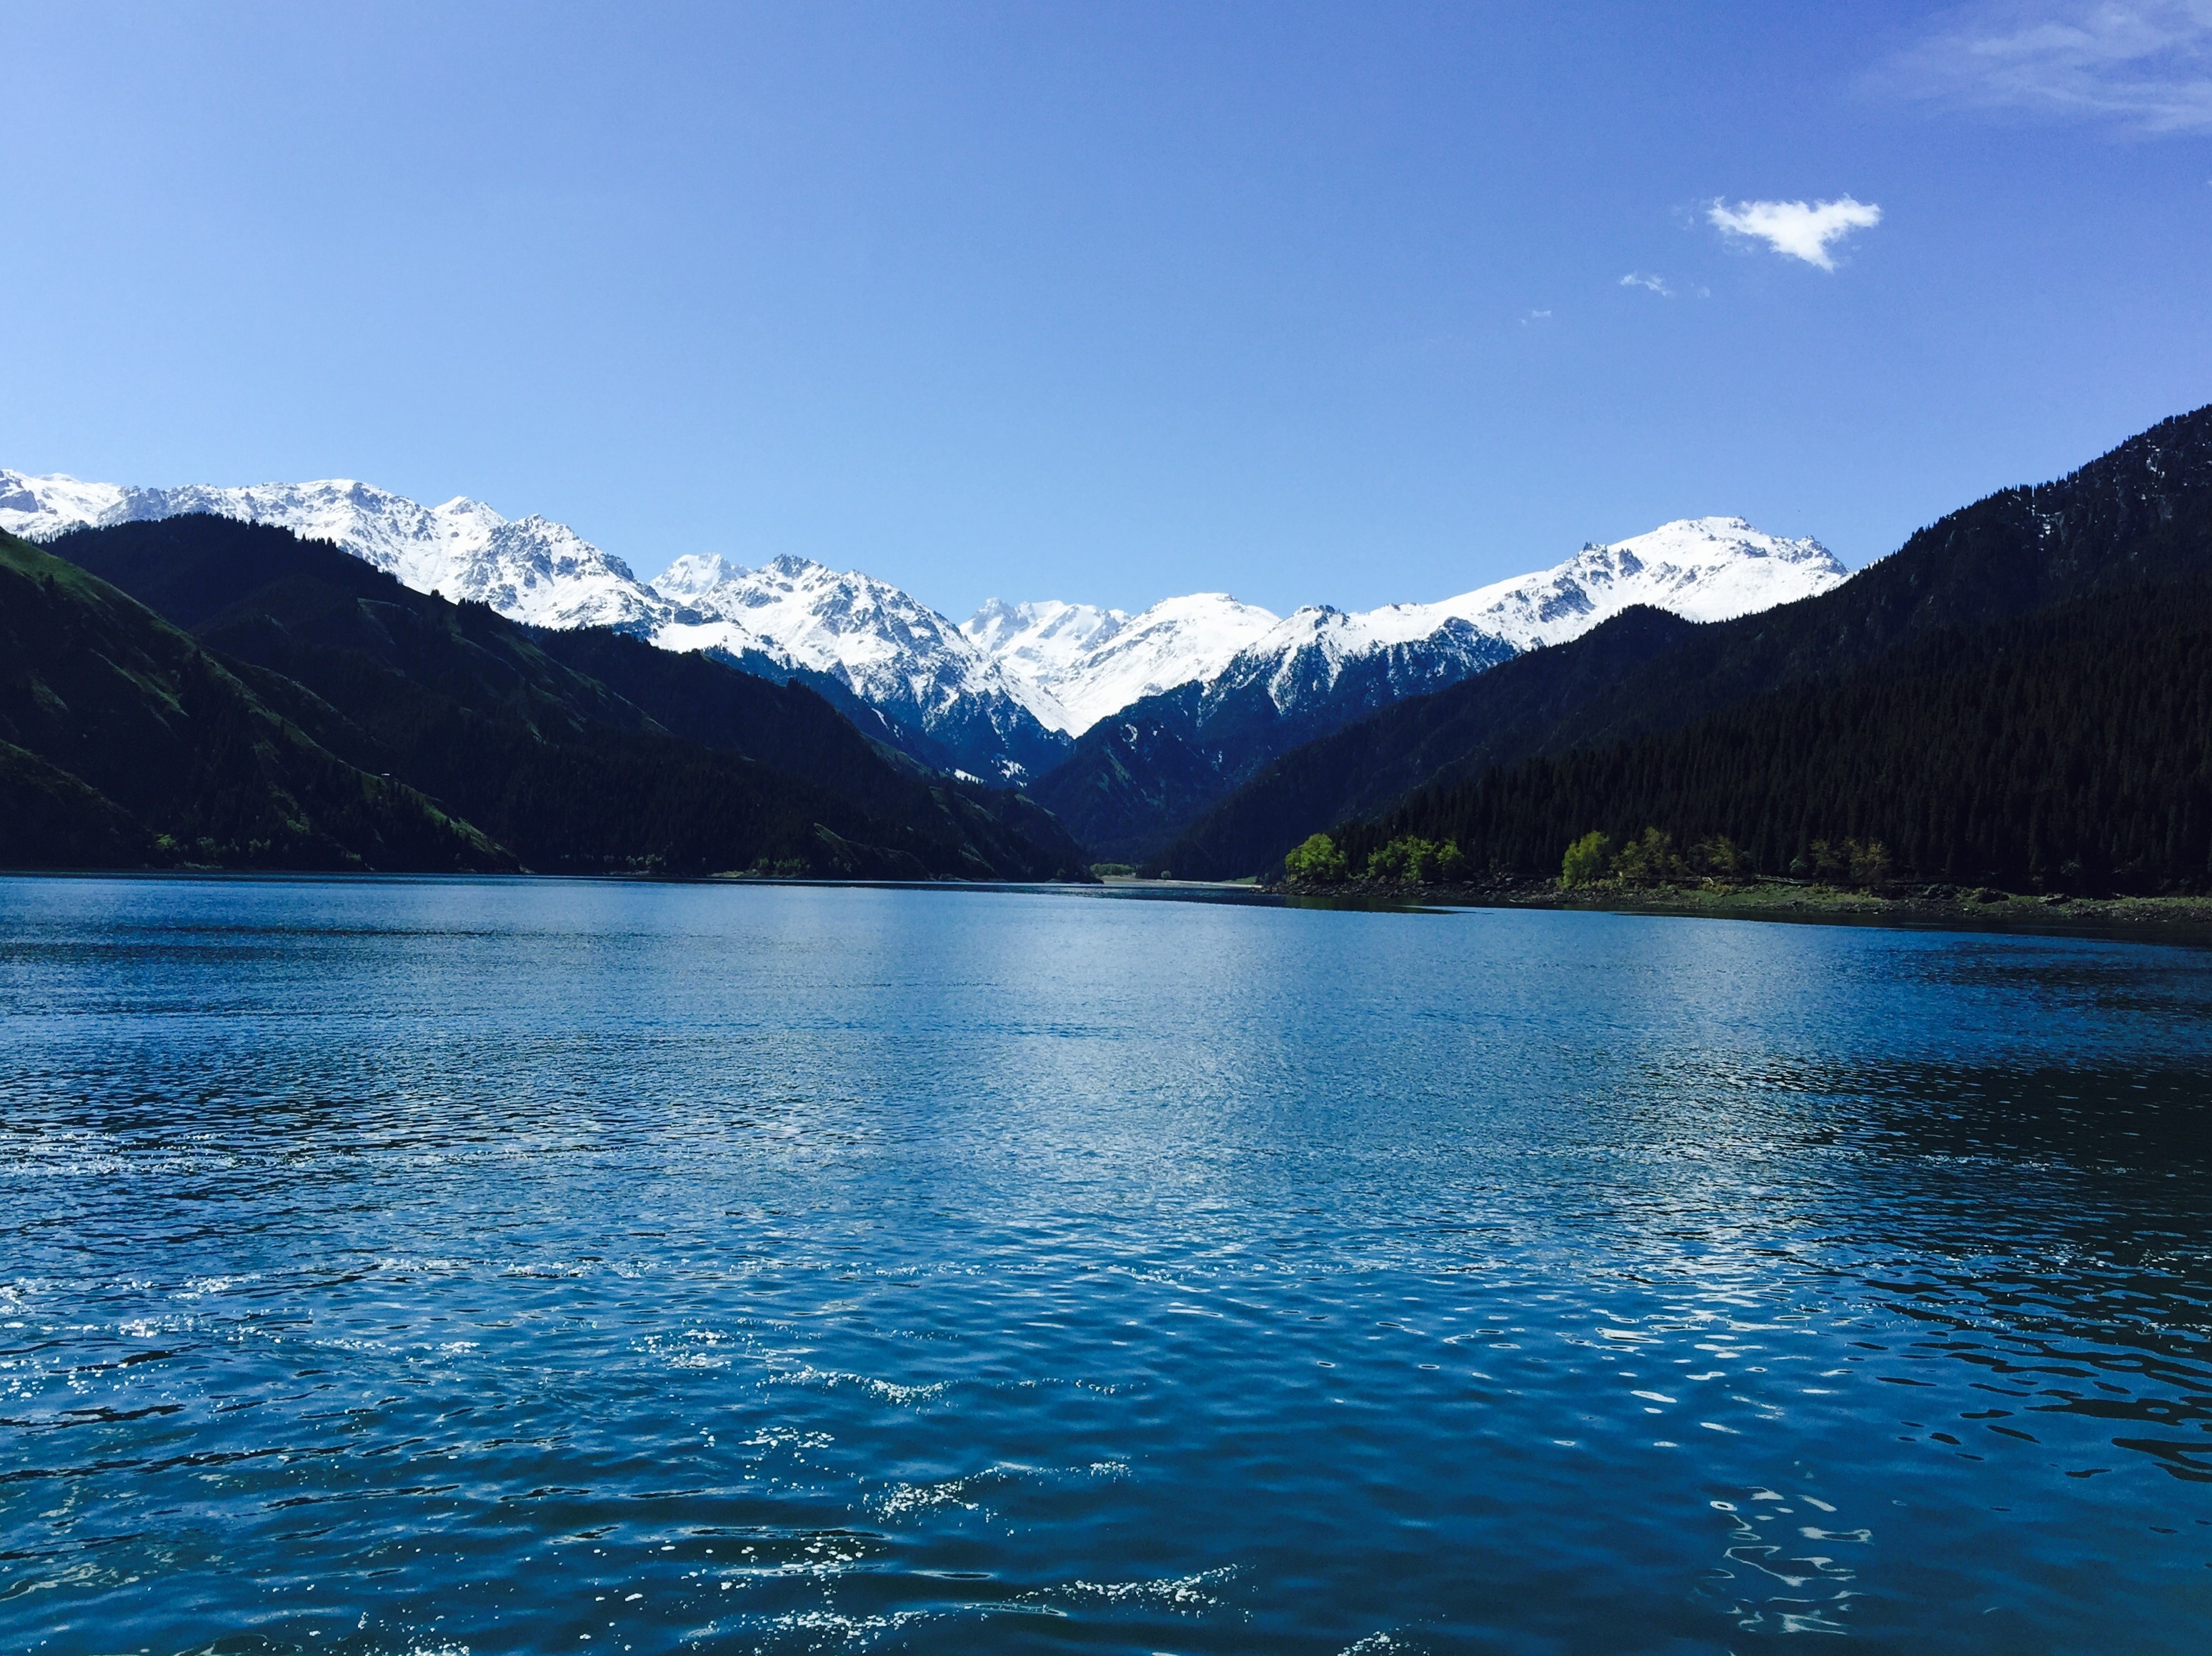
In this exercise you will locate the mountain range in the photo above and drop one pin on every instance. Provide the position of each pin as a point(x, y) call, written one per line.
point(1013, 694)
point(1137, 779)
point(2020, 694)
point(199, 690)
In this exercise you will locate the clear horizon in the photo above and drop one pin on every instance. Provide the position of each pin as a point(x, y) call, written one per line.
point(1296, 304)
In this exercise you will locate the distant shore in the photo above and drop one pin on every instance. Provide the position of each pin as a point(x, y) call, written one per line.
point(2181, 920)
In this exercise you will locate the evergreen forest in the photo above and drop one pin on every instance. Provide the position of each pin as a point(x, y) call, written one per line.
point(2069, 749)
point(197, 691)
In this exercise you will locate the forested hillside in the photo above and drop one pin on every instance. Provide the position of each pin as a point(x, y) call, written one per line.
point(2069, 750)
point(123, 742)
point(517, 739)
point(2139, 515)
point(1366, 767)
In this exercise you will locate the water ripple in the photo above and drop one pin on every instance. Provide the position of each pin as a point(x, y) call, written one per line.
point(512, 1265)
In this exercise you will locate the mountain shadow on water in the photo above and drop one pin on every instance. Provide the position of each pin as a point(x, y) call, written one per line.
point(516, 735)
point(2137, 517)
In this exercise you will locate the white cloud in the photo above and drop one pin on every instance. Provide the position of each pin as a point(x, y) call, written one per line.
point(1795, 228)
point(2145, 62)
point(1656, 284)
point(1535, 316)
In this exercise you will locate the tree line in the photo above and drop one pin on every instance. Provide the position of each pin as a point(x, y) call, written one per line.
point(2071, 749)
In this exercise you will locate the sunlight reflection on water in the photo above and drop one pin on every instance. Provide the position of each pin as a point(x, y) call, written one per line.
point(523, 1264)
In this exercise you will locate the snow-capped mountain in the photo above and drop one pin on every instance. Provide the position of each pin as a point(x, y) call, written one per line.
point(1074, 664)
point(939, 697)
point(1002, 696)
point(1077, 663)
point(1156, 764)
point(1700, 568)
point(531, 570)
point(894, 653)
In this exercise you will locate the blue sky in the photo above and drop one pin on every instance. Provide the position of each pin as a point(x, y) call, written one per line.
point(1306, 303)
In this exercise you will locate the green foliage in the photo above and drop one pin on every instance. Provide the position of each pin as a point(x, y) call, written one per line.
point(1587, 861)
point(1646, 859)
point(1823, 862)
point(1650, 860)
point(1863, 864)
point(1317, 862)
point(1719, 857)
point(1868, 863)
point(1412, 860)
point(1405, 859)
point(1113, 870)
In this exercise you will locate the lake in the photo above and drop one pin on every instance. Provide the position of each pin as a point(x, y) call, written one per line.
point(424, 1266)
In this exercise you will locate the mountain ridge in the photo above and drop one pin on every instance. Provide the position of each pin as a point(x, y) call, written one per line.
point(2138, 514)
point(1137, 780)
point(995, 698)
point(585, 750)
point(542, 573)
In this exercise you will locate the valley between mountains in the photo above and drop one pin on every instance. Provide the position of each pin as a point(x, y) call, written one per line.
point(327, 673)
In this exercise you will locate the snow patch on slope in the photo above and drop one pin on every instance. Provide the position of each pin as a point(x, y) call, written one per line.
point(892, 651)
point(1087, 662)
point(533, 570)
point(1702, 568)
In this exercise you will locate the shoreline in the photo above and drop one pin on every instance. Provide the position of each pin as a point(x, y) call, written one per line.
point(2172, 919)
point(2176, 920)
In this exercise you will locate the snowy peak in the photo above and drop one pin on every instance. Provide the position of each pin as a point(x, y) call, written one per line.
point(692, 577)
point(545, 573)
point(1700, 568)
point(893, 652)
point(533, 570)
point(1089, 663)
point(1703, 568)
point(1039, 644)
point(821, 617)
point(39, 508)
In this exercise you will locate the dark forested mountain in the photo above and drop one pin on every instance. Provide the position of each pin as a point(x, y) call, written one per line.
point(555, 750)
point(1134, 780)
point(123, 742)
point(2069, 748)
point(2140, 515)
point(1363, 766)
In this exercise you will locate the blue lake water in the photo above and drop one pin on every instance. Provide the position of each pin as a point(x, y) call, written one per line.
point(519, 1266)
